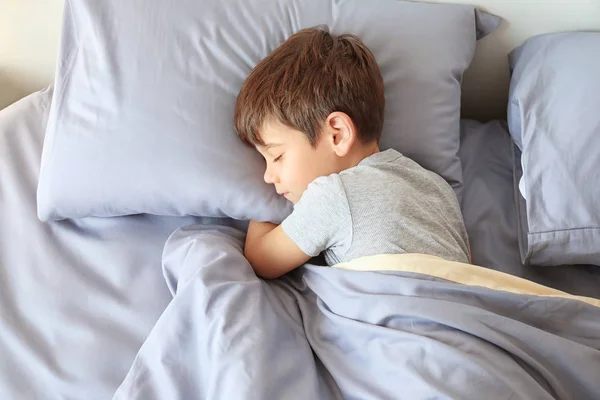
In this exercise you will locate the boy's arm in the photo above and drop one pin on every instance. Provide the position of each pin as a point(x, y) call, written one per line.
point(270, 251)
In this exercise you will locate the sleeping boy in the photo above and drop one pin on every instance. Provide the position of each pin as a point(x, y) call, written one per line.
point(313, 108)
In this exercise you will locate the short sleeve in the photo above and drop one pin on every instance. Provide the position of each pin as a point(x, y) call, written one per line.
point(321, 219)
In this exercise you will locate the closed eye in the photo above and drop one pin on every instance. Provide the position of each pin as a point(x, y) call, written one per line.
point(277, 158)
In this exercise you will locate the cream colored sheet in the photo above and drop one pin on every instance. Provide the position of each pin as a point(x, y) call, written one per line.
point(466, 274)
point(29, 33)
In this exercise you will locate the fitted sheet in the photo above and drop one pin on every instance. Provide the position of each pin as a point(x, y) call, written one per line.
point(77, 297)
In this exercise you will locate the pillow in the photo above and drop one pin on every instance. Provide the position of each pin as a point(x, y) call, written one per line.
point(555, 123)
point(142, 114)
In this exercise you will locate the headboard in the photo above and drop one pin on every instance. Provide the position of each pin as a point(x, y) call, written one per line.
point(29, 33)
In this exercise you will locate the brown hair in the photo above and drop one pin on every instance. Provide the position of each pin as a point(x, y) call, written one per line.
point(309, 76)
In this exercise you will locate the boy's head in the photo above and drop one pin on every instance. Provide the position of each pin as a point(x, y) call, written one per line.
point(312, 107)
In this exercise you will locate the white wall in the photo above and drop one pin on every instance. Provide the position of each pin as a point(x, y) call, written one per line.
point(485, 88)
point(29, 32)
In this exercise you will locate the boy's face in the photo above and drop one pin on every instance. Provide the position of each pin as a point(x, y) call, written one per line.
point(292, 162)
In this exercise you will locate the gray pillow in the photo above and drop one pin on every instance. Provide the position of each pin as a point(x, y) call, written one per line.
point(142, 114)
point(554, 120)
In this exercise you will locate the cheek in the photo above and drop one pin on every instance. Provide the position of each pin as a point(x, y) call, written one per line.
point(298, 172)
point(310, 169)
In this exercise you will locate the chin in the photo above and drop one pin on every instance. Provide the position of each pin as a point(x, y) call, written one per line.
point(291, 199)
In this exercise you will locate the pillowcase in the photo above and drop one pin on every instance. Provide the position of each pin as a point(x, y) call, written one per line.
point(554, 120)
point(142, 114)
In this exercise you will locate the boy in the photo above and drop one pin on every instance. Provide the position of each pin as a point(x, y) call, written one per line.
point(314, 109)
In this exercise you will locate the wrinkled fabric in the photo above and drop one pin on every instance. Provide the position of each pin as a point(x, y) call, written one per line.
point(553, 119)
point(328, 333)
point(491, 215)
point(77, 297)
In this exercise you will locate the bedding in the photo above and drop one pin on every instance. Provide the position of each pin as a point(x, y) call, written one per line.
point(553, 119)
point(381, 327)
point(85, 307)
point(77, 297)
point(491, 216)
point(135, 120)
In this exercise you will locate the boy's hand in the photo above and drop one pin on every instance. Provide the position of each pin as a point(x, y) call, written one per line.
point(270, 251)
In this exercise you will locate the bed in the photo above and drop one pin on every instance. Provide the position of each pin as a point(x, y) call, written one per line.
point(150, 306)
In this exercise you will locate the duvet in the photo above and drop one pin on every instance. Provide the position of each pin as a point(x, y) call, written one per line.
point(383, 327)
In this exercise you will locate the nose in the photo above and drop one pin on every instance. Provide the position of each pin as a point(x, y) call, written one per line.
point(270, 177)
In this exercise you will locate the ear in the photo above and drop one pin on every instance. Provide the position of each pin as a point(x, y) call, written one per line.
point(340, 132)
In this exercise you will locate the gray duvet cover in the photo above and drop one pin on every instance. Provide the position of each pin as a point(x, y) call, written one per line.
point(327, 333)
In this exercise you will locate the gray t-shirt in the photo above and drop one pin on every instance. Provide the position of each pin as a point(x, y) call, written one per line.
point(387, 204)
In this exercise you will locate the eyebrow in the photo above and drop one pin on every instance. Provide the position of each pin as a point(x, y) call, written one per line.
point(267, 146)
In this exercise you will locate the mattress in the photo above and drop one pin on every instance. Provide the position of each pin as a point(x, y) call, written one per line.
point(79, 297)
